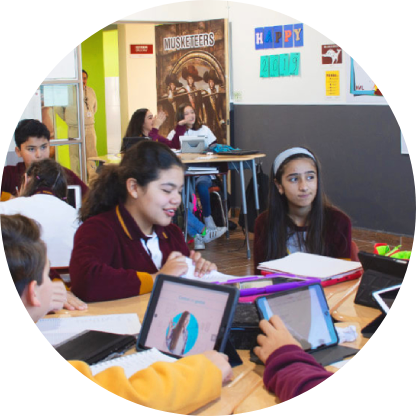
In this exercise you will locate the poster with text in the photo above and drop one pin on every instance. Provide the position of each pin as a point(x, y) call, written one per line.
point(191, 67)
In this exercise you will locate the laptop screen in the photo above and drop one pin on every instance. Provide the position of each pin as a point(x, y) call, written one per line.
point(305, 312)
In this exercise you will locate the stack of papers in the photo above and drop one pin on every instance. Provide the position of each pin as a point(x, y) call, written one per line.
point(312, 265)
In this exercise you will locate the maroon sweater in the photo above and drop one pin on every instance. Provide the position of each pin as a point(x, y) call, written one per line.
point(338, 237)
point(173, 144)
point(290, 371)
point(109, 261)
point(12, 179)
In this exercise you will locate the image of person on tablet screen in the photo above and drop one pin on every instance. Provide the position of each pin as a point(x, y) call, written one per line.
point(182, 333)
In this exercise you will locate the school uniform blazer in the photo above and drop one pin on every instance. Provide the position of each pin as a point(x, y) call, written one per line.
point(179, 387)
point(109, 261)
point(338, 236)
point(12, 179)
point(290, 371)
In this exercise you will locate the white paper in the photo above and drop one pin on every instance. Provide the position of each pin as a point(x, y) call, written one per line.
point(211, 277)
point(133, 362)
point(311, 265)
point(57, 330)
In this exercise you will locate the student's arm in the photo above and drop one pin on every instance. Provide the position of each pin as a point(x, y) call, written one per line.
point(93, 278)
point(156, 137)
point(339, 235)
point(289, 371)
point(179, 387)
point(174, 135)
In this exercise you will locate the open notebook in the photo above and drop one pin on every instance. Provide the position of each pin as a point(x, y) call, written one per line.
point(133, 362)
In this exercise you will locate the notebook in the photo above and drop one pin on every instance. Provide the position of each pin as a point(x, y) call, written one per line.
point(133, 362)
point(305, 312)
point(329, 270)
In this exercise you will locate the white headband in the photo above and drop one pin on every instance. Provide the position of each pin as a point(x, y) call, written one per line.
point(287, 153)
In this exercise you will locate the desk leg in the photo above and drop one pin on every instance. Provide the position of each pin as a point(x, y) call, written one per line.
point(186, 205)
point(256, 189)
point(243, 193)
point(225, 205)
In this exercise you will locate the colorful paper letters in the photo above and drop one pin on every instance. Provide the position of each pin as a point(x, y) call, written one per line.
point(287, 36)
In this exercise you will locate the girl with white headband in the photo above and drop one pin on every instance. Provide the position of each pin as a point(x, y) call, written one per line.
point(299, 216)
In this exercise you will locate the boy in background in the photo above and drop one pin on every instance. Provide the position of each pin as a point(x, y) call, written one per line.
point(32, 144)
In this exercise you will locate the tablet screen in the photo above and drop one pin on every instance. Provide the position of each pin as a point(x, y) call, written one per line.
point(386, 297)
point(185, 320)
point(305, 313)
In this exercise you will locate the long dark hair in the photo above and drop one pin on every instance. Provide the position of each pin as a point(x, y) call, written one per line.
point(177, 330)
point(143, 162)
point(180, 116)
point(135, 127)
point(278, 221)
point(46, 173)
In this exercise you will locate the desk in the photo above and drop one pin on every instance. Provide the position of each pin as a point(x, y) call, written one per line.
point(238, 163)
point(246, 392)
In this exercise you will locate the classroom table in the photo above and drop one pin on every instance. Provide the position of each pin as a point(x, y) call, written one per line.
point(238, 163)
point(246, 392)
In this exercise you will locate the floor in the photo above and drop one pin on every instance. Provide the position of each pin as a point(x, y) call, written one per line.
point(230, 256)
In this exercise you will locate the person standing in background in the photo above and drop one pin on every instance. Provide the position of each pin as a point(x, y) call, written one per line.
point(90, 108)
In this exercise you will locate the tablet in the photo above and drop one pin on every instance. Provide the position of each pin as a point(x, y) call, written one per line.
point(187, 317)
point(305, 312)
point(386, 297)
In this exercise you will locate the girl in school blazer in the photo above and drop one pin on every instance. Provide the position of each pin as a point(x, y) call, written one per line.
point(299, 216)
point(127, 238)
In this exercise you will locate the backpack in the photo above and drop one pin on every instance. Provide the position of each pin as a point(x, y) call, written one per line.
point(263, 192)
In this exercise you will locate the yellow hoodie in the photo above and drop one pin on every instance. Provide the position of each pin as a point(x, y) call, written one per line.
point(179, 387)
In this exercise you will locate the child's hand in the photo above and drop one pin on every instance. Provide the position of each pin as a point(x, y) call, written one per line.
point(175, 265)
point(276, 335)
point(58, 296)
point(221, 361)
point(73, 303)
point(202, 266)
point(158, 119)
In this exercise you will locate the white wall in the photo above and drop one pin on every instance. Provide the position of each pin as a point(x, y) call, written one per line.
point(307, 88)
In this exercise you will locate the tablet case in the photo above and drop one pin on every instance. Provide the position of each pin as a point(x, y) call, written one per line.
point(94, 346)
point(380, 272)
point(245, 326)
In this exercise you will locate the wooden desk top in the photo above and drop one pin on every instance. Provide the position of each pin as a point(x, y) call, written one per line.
point(187, 158)
point(246, 392)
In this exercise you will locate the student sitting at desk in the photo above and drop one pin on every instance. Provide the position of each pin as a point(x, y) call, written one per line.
point(127, 238)
point(43, 198)
point(143, 125)
point(200, 377)
point(32, 144)
point(298, 216)
point(189, 124)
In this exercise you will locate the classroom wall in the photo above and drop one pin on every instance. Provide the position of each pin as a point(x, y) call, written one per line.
point(356, 138)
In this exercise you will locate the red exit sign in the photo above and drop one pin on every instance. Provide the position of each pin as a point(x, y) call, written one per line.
point(141, 49)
